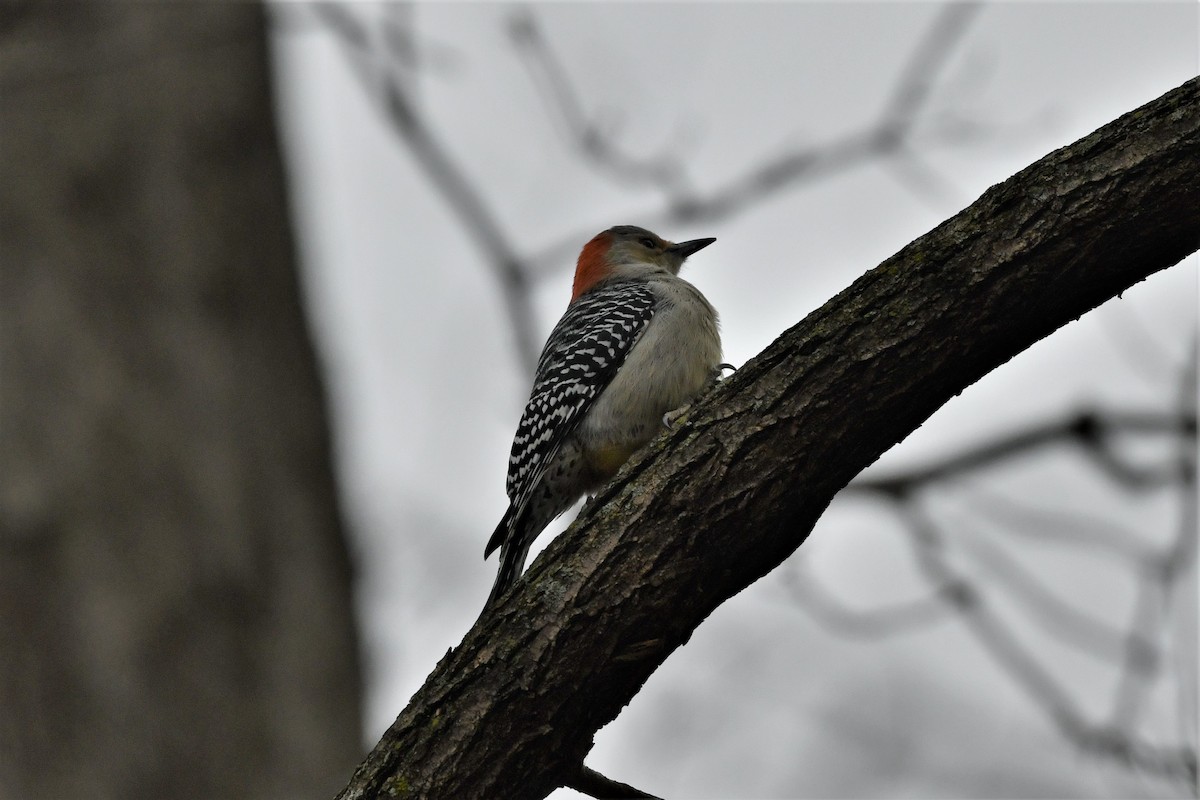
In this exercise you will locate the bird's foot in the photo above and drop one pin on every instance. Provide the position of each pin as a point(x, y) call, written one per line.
point(671, 417)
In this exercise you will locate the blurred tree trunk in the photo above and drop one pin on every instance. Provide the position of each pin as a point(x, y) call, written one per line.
point(175, 608)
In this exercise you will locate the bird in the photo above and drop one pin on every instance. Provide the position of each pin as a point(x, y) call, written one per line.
point(636, 345)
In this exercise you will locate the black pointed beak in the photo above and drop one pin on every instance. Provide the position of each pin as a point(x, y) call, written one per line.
point(685, 249)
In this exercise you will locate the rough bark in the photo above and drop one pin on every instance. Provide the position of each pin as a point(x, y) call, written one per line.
point(175, 614)
point(709, 508)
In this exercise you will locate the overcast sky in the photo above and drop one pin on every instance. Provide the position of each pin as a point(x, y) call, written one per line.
point(427, 384)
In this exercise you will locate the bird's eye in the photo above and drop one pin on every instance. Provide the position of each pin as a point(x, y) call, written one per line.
point(648, 242)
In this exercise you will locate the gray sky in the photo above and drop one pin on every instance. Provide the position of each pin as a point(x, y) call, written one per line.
point(427, 386)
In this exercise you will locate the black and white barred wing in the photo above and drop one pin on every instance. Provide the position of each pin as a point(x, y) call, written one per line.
point(585, 350)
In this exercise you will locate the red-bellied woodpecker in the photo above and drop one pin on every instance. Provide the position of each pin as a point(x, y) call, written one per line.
point(636, 342)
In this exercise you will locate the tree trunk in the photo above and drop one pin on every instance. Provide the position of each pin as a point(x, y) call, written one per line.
point(175, 611)
point(710, 507)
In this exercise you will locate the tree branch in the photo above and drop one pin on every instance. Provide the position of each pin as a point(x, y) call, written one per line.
point(713, 505)
point(665, 172)
point(1092, 430)
point(888, 620)
point(888, 138)
point(1137, 649)
point(1109, 741)
point(444, 173)
point(593, 784)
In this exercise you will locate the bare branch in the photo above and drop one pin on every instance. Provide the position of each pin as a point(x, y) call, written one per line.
point(385, 76)
point(888, 137)
point(921, 179)
point(1142, 658)
point(593, 784)
point(1136, 648)
point(460, 194)
point(890, 620)
point(927, 61)
point(1008, 652)
point(1092, 430)
point(1069, 527)
point(928, 545)
point(1067, 624)
point(665, 171)
point(1181, 557)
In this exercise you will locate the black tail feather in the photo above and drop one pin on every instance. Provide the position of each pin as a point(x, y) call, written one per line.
point(512, 554)
point(512, 562)
point(500, 534)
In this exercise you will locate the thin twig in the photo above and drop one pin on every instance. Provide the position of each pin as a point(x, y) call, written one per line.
point(919, 75)
point(593, 784)
point(887, 137)
point(1066, 623)
point(1181, 556)
point(1090, 429)
point(1142, 657)
point(1007, 651)
point(665, 171)
point(477, 218)
point(1135, 647)
point(890, 620)
point(1074, 527)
